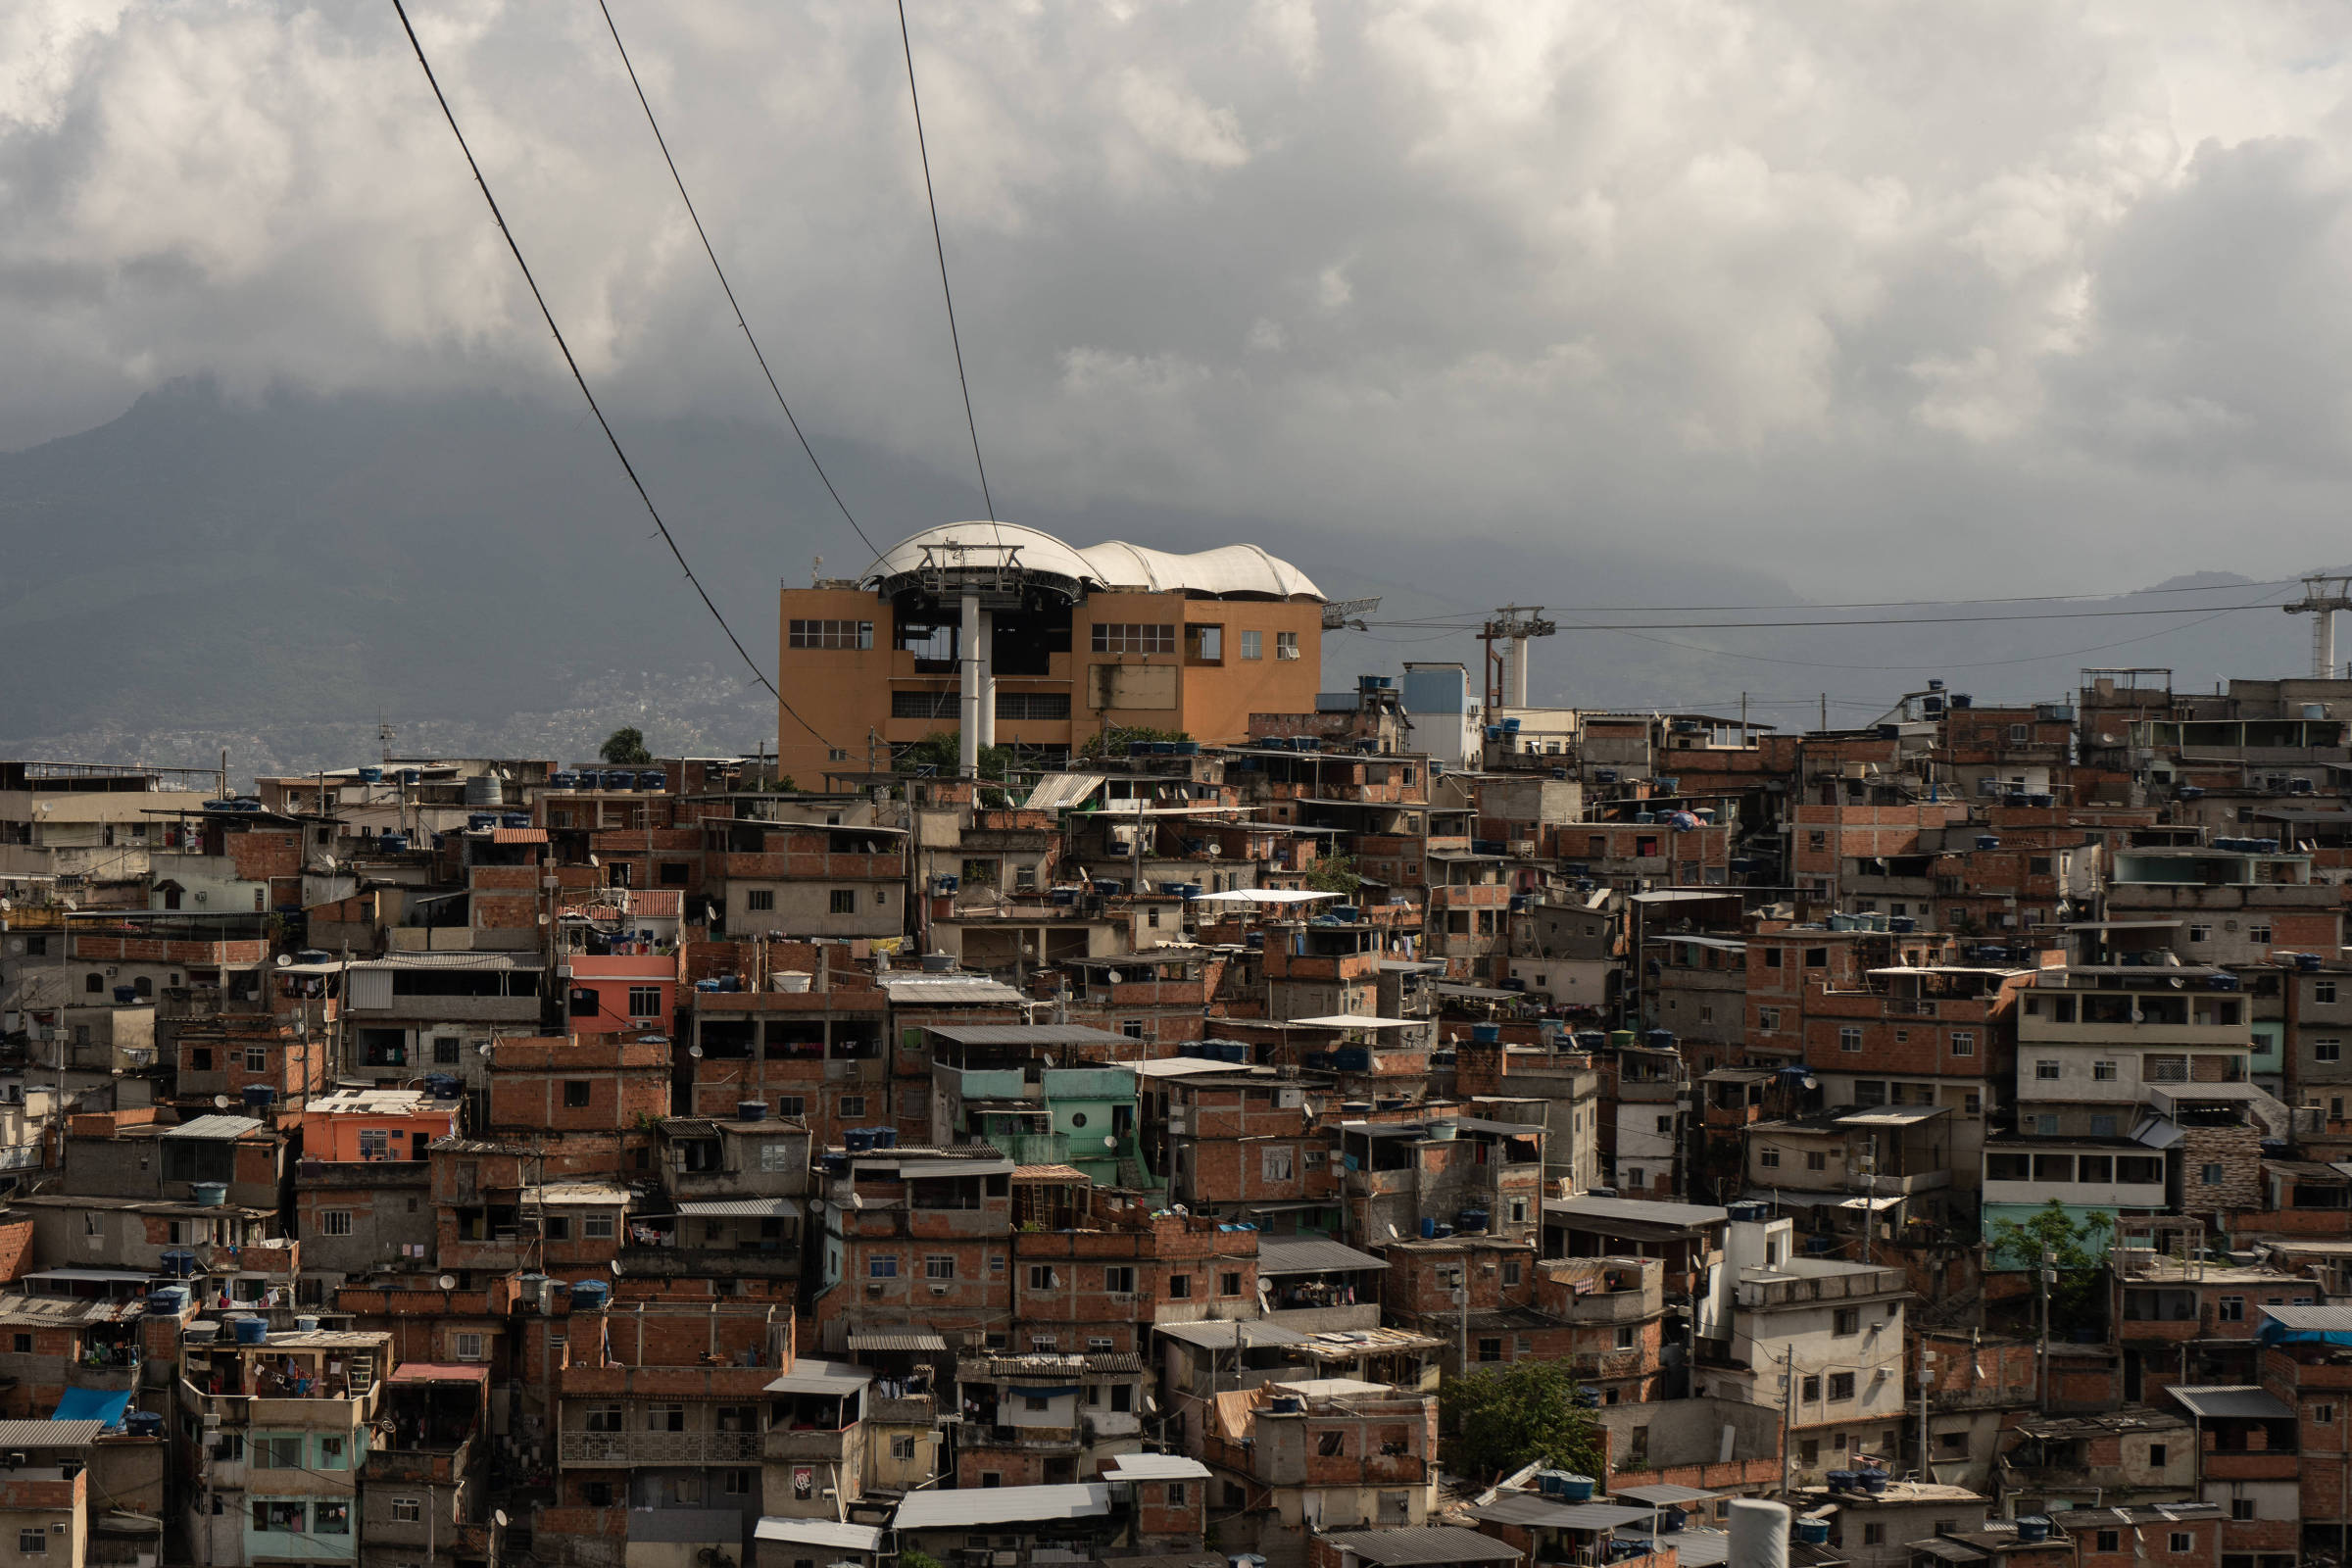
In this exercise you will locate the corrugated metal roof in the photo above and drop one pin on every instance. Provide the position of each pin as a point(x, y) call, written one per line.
point(518, 835)
point(1058, 790)
point(1155, 1468)
point(810, 1376)
point(1665, 1495)
point(2241, 1400)
point(1426, 1544)
point(819, 1533)
point(1891, 1115)
point(2312, 1319)
point(995, 1505)
point(215, 1127)
point(449, 960)
point(1355, 1020)
point(49, 1434)
point(741, 1208)
point(1216, 1335)
point(1693, 1548)
point(915, 990)
point(1534, 1509)
point(1635, 1212)
point(1309, 1254)
point(1028, 1034)
point(897, 1340)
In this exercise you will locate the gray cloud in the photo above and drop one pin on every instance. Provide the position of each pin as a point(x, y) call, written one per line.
point(1834, 293)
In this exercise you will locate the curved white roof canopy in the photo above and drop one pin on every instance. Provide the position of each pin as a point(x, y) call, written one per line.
point(1232, 569)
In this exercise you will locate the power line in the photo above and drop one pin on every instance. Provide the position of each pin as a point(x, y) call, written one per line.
point(940, 246)
point(1907, 603)
point(732, 303)
point(1821, 625)
point(548, 316)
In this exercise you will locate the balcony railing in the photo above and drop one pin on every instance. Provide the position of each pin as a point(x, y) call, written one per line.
point(658, 1447)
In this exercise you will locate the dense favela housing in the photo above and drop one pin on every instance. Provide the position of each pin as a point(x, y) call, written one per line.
point(1087, 1094)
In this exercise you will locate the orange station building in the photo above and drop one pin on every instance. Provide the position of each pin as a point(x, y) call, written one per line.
point(1066, 642)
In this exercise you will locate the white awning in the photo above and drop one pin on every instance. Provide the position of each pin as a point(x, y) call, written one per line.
point(1262, 896)
point(1354, 1020)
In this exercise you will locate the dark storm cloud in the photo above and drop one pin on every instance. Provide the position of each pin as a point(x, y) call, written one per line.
point(1817, 292)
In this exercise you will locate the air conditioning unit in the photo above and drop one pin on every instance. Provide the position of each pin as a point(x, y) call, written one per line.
point(873, 1288)
point(939, 1289)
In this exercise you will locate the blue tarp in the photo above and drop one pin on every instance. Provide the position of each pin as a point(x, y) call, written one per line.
point(92, 1404)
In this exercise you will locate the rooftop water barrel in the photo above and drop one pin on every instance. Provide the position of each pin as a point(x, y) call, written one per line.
point(304, 1323)
point(1986, 841)
point(371, 775)
point(392, 843)
point(792, 982)
point(1872, 1480)
point(260, 1097)
point(127, 994)
point(751, 1110)
point(1659, 1039)
point(652, 779)
point(2307, 961)
point(1486, 1034)
point(179, 1263)
point(484, 789)
point(857, 1140)
point(1604, 776)
point(167, 1299)
point(1901, 924)
point(1355, 1107)
point(886, 1137)
point(1844, 1481)
point(1576, 1488)
point(208, 1195)
point(1621, 1040)
point(1188, 1048)
point(1510, 726)
point(1890, 732)
point(1186, 747)
point(1672, 1519)
point(1429, 1227)
point(1813, 1532)
point(1470, 1219)
point(1354, 1058)
point(251, 1330)
point(480, 821)
point(1286, 1404)
point(143, 1423)
point(589, 1295)
point(563, 781)
point(411, 775)
point(2032, 1527)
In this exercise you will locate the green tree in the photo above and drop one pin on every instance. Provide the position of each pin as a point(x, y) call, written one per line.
point(624, 746)
point(1113, 742)
point(1499, 1419)
point(943, 751)
point(2079, 1296)
point(911, 1558)
point(1335, 873)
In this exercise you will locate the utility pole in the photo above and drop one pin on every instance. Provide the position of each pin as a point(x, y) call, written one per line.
point(2047, 1275)
point(1787, 1409)
point(1926, 1358)
point(1461, 1300)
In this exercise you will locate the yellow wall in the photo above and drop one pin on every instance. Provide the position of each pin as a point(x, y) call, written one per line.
point(843, 692)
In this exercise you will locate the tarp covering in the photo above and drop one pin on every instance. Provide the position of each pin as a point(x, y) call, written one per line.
point(92, 1404)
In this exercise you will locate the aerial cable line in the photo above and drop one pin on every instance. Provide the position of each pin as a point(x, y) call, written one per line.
point(1818, 625)
point(940, 246)
point(733, 304)
point(1907, 603)
point(548, 316)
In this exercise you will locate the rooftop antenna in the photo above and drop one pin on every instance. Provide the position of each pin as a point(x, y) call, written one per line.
point(2323, 597)
point(383, 738)
point(817, 571)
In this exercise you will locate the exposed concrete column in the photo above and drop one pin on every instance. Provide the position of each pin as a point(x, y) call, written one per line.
point(988, 677)
point(967, 756)
point(1522, 650)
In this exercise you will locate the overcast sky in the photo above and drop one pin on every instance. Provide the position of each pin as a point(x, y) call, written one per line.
point(1836, 291)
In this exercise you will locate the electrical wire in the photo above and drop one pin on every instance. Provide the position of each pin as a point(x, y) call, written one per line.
point(546, 315)
point(733, 304)
point(940, 246)
point(1905, 604)
point(1816, 625)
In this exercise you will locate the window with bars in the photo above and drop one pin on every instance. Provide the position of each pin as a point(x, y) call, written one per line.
point(928, 705)
point(1033, 705)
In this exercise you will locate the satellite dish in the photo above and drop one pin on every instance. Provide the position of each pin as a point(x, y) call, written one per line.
point(1393, 1236)
point(817, 1206)
point(1110, 1141)
point(219, 1101)
point(498, 1516)
point(285, 960)
point(1112, 977)
point(447, 1282)
point(696, 1051)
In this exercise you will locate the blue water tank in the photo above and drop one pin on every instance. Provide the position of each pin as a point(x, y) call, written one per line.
point(1470, 1219)
point(1429, 1227)
point(1486, 1034)
point(857, 1140)
point(1813, 1532)
point(143, 1423)
point(371, 775)
point(179, 1263)
point(589, 1295)
point(1189, 1048)
point(392, 843)
point(252, 1330)
point(883, 1137)
point(2031, 1528)
point(127, 994)
point(167, 1299)
point(653, 780)
point(1576, 1488)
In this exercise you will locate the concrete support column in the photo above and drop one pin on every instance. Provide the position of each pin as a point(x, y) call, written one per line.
point(1521, 654)
point(968, 757)
point(988, 677)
